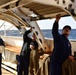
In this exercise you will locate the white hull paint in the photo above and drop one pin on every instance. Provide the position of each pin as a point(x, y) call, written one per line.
point(18, 41)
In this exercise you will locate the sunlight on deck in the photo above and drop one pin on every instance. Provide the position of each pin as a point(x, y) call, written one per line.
point(5, 72)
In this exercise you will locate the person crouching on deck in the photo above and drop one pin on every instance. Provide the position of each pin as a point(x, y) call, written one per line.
point(34, 58)
point(62, 48)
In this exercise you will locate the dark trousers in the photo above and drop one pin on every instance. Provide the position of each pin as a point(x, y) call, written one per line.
point(56, 69)
point(23, 65)
point(0, 63)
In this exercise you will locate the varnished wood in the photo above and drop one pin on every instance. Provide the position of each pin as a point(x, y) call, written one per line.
point(13, 49)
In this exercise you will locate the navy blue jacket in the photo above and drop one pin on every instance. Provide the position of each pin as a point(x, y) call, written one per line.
point(25, 51)
point(62, 46)
point(1, 42)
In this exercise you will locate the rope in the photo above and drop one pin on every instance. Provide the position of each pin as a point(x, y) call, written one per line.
point(41, 65)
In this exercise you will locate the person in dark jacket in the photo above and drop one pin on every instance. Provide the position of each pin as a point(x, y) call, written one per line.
point(23, 63)
point(2, 45)
point(62, 48)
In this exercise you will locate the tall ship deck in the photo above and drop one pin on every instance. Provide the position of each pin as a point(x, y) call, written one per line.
point(23, 14)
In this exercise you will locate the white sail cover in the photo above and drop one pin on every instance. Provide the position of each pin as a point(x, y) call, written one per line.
point(67, 4)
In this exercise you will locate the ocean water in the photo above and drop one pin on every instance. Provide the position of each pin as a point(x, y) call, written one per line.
point(46, 33)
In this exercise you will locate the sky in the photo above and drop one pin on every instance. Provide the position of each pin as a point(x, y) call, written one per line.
point(45, 24)
point(7, 25)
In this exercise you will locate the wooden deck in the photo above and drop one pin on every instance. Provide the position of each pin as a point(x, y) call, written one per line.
point(5, 72)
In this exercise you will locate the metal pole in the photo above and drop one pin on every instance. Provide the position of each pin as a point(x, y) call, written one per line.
point(4, 30)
